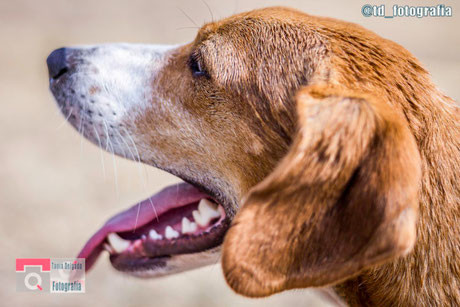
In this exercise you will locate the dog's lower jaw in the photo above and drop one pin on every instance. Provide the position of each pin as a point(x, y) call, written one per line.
point(180, 263)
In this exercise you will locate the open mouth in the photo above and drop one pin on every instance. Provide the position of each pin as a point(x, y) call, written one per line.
point(178, 220)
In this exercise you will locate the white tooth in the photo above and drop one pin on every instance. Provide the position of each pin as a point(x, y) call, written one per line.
point(198, 218)
point(205, 206)
point(155, 235)
point(207, 212)
point(193, 227)
point(118, 244)
point(187, 226)
point(170, 233)
point(108, 248)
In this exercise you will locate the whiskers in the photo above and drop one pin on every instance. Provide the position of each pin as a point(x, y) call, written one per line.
point(115, 139)
point(81, 128)
point(101, 153)
point(188, 17)
point(65, 119)
point(109, 147)
point(196, 26)
point(128, 142)
point(209, 10)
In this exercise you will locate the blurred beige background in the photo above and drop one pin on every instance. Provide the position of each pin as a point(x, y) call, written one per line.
point(56, 189)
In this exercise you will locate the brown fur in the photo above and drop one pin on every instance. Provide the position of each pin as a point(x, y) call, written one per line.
point(366, 197)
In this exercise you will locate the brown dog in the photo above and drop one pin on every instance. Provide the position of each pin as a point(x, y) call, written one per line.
point(326, 149)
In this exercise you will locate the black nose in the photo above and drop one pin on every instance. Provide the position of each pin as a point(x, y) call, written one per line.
point(57, 64)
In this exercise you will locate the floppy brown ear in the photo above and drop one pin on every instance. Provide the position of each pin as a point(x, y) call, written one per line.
point(344, 198)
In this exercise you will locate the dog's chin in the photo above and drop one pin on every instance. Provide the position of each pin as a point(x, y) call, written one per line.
point(178, 229)
point(167, 265)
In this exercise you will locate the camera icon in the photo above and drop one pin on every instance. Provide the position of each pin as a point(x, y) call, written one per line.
point(33, 274)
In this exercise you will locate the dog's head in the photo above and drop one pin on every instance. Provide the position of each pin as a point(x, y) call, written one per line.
point(269, 118)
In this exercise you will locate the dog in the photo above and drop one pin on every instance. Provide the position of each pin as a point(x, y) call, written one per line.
point(313, 152)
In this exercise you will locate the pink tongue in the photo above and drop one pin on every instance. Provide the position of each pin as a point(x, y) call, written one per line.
point(139, 215)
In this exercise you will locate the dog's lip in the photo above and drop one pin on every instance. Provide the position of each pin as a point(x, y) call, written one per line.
point(144, 212)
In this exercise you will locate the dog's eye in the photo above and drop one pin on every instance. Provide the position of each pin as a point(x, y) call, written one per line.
point(196, 66)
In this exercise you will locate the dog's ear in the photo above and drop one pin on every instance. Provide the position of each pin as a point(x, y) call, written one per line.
point(344, 198)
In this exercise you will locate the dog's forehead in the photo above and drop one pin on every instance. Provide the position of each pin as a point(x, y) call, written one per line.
point(240, 24)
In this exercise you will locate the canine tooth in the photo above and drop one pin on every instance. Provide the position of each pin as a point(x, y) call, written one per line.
point(155, 235)
point(205, 206)
point(170, 233)
point(187, 226)
point(206, 212)
point(117, 243)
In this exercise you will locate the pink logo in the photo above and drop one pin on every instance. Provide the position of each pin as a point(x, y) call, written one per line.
point(50, 275)
point(44, 263)
point(33, 274)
